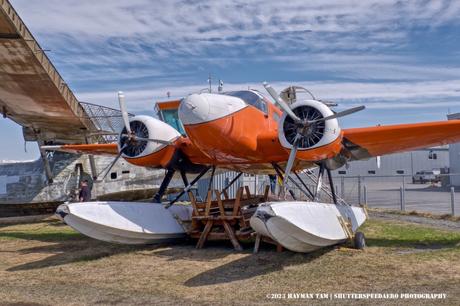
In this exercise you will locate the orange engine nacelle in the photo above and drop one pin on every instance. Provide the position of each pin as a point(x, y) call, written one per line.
point(149, 153)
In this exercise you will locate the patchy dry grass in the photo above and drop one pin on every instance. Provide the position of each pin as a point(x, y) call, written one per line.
point(48, 263)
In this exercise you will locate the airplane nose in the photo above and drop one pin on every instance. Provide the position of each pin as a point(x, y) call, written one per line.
point(194, 109)
point(205, 107)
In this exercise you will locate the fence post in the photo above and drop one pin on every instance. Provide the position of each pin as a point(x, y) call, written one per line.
point(342, 187)
point(402, 199)
point(359, 189)
point(452, 200)
point(365, 194)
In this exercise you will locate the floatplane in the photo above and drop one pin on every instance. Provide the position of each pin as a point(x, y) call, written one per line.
point(247, 132)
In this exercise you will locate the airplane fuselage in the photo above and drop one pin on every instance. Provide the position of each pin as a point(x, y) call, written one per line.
point(238, 132)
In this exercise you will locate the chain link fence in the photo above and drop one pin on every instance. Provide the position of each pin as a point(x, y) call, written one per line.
point(402, 192)
point(398, 192)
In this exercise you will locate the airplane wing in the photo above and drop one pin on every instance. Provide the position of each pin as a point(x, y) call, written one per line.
point(366, 142)
point(93, 149)
point(32, 92)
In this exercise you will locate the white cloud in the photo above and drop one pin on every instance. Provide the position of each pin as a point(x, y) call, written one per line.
point(113, 44)
point(393, 95)
point(185, 22)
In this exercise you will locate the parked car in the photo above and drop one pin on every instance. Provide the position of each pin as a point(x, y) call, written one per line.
point(425, 176)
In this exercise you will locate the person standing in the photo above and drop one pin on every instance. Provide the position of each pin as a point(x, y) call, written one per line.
point(85, 192)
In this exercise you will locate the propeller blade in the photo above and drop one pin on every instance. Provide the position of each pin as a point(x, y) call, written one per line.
point(124, 112)
point(340, 114)
point(113, 163)
point(164, 142)
point(281, 102)
point(291, 159)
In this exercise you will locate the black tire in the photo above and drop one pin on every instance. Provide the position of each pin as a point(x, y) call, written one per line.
point(359, 241)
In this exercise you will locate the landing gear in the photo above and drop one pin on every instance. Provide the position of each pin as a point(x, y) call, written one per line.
point(187, 188)
point(314, 194)
point(359, 241)
point(164, 185)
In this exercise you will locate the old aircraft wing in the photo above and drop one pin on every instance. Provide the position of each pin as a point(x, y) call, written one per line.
point(32, 93)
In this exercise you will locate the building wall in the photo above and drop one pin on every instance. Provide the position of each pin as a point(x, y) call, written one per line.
point(25, 182)
point(407, 163)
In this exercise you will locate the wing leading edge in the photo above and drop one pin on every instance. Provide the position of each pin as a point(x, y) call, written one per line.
point(381, 140)
point(93, 149)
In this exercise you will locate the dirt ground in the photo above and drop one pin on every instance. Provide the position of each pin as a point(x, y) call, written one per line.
point(48, 263)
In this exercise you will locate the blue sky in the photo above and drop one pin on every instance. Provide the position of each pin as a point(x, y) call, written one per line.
point(399, 58)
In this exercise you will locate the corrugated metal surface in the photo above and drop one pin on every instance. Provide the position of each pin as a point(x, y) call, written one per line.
point(219, 183)
point(406, 163)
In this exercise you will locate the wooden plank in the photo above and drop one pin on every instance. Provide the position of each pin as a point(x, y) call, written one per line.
point(248, 193)
point(215, 218)
point(236, 204)
point(204, 234)
point(229, 204)
point(219, 203)
point(226, 197)
point(266, 192)
point(208, 203)
point(257, 244)
point(231, 235)
point(193, 202)
point(212, 236)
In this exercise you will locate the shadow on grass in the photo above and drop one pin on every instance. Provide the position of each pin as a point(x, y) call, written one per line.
point(65, 252)
point(251, 266)
point(64, 246)
point(44, 236)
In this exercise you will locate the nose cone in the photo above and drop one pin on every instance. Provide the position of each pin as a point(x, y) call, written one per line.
point(194, 109)
point(205, 107)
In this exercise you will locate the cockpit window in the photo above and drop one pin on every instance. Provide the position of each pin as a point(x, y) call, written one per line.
point(250, 98)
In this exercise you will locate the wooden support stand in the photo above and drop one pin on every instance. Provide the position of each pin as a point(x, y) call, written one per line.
point(260, 238)
point(224, 218)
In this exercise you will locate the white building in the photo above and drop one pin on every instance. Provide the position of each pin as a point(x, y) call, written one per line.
point(407, 163)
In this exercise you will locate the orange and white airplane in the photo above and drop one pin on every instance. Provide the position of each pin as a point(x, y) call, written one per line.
point(244, 131)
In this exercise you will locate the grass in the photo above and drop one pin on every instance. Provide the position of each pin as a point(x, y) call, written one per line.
point(378, 233)
point(48, 263)
point(52, 230)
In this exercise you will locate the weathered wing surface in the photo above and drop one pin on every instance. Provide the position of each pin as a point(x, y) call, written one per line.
point(93, 149)
point(32, 93)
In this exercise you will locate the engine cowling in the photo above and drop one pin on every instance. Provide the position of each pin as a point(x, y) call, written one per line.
point(146, 127)
point(318, 134)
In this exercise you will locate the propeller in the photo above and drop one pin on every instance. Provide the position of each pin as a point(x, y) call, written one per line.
point(339, 114)
point(113, 163)
point(124, 112)
point(128, 139)
point(281, 102)
point(130, 134)
point(303, 127)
